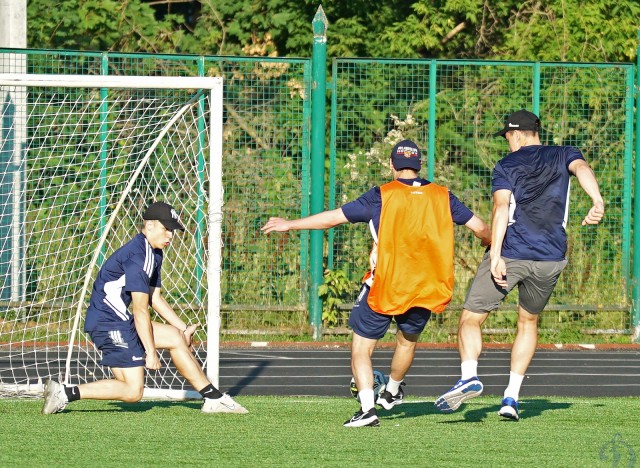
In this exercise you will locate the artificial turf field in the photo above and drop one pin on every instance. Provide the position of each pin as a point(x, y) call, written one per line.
point(308, 432)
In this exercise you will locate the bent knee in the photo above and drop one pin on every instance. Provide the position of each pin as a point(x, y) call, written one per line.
point(175, 339)
point(133, 394)
point(471, 318)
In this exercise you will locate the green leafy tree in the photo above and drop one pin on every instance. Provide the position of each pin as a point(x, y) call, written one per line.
point(557, 30)
point(125, 26)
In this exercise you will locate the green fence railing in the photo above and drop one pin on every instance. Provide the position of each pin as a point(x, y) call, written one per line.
point(266, 170)
point(450, 108)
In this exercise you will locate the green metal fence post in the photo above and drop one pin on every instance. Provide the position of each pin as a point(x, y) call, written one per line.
point(536, 89)
point(431, 145)
point(318, 107)
point(635, 291)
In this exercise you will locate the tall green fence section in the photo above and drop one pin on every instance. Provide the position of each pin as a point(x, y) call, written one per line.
point(451, 109)
point(265, 172)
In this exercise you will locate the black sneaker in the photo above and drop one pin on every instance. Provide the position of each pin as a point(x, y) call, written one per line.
point(360, 419)
point(388, 401)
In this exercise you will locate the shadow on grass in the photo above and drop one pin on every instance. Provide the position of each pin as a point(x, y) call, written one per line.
point(409, 409)
point(143, 406)
point(527, 409)
point(471, 412)
point(139, 407)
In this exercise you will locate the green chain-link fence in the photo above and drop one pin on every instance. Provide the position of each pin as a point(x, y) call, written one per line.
point(451, 108)
point(265, 171)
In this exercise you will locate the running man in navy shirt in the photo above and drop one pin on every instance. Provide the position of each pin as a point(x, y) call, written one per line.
point(528, 245)
point(411, 275)
point(129, 340)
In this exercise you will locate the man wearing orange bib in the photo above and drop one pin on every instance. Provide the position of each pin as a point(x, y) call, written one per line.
point(411, 220)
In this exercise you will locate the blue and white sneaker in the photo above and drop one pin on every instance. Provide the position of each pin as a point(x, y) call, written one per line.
point(509, 409)
point(462, 391)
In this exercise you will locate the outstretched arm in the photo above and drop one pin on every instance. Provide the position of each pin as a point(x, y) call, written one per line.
point(500, 220)
point(480, 230)
point(324, 220)
point(583, 172)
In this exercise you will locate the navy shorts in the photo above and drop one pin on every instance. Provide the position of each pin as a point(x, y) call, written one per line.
point(120, 348)
point(368, 323)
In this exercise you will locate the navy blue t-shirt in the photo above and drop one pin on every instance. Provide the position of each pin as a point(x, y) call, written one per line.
point(367, 207)
point(538, 179)
point(134, 267)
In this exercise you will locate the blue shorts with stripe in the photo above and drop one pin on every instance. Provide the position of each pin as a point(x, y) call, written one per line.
point(120, 348)
point(368, 323)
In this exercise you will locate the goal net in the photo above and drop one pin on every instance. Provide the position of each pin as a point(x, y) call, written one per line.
point(80, 159)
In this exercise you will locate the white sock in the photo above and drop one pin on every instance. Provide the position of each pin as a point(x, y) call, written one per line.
point(513, 389)
point(393, 386)
point(366, 399)
point(468, 369)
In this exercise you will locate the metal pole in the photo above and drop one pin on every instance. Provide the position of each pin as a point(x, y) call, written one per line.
point(318, 107)
point(536, 89)
point(13, 141)
point(635, 276)
point(431, 144)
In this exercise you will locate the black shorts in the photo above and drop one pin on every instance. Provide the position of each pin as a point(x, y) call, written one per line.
point(370, 324)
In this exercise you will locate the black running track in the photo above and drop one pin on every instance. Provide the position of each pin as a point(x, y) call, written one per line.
point(325, 371)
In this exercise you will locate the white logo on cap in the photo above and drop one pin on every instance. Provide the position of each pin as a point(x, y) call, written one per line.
point(407, 151)
point(174, 215)
point(514, 125)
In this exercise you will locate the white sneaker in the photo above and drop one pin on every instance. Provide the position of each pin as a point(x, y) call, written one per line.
point(55, 399)
point(462, 391)
point(224, 404)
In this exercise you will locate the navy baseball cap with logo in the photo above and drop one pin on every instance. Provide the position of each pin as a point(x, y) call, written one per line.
point(160, 211)
point(520, 120)
point(406, 155)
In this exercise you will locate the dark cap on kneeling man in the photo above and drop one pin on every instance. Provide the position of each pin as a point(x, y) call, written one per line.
point(168, 217)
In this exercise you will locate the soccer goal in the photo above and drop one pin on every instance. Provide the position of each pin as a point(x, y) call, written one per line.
point(80, 159)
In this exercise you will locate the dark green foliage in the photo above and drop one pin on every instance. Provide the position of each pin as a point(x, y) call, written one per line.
point(334, 292)
point(551, 31)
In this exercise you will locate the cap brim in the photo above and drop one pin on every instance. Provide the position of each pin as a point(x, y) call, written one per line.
point(172, 224)
point(502, 132)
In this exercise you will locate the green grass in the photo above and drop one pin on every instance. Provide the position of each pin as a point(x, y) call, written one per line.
point(307, 431)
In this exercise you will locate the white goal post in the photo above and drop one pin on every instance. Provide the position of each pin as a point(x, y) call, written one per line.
point(80, 159)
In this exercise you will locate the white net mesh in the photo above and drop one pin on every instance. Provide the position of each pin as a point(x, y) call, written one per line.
point(70, 159)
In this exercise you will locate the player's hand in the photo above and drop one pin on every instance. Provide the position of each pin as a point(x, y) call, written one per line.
point(188, 335)
point(499, 271)
point(595, 214)
point(275, 224)
point(152, 362)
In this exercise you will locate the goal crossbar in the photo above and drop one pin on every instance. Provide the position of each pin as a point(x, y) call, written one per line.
point(110, 81)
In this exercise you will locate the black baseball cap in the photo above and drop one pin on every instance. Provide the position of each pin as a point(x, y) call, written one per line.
point(406, 155)
point(520, 120)
point(160, 211)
